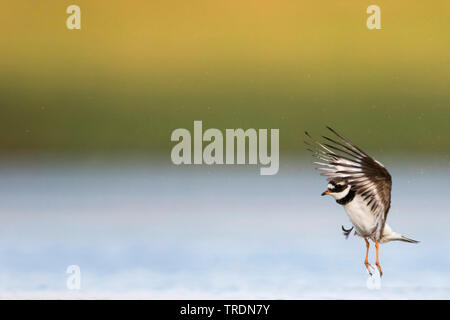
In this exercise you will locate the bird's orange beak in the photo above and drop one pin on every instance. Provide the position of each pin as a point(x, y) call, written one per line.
point(326, 192)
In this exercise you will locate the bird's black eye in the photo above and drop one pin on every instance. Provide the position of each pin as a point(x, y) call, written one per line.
point(339, 188)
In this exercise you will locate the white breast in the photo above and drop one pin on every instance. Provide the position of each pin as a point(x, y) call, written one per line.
point(361, 216)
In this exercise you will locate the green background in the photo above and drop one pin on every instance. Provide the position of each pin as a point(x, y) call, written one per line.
point(137, 71)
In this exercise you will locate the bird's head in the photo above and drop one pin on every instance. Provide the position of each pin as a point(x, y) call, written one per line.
point(338, 189)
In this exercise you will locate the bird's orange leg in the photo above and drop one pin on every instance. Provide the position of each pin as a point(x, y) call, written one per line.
point(378, 262)
point(366, 262)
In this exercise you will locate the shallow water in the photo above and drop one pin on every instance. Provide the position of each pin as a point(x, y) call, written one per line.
point(143, 230)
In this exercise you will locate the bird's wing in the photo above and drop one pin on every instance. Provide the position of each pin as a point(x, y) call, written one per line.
point(343, 160)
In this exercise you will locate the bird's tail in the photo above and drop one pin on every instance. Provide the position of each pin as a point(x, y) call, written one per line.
point(397, 237)
point(405, 239)
point(390, 235)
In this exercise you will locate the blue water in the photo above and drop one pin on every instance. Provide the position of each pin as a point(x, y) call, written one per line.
point(146, 229)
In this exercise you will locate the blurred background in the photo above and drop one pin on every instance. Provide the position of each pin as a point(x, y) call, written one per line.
point(85, 123)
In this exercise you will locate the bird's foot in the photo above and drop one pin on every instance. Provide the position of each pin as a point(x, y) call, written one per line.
point(368, 267)
point(379, 269)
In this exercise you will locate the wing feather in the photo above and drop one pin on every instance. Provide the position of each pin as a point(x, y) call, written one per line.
point(341, 159)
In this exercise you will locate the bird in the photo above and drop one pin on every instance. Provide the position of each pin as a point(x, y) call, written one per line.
point(362, 185)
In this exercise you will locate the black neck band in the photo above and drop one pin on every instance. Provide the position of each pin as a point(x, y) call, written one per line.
point(349, 197)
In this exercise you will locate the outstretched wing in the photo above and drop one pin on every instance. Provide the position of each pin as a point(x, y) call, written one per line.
point(343, 160)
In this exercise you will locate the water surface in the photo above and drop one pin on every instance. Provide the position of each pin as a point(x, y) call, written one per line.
point(139, 229)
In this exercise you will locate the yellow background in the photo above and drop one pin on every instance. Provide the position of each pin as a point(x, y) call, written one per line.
point(139, 69)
